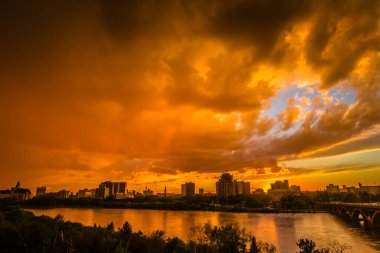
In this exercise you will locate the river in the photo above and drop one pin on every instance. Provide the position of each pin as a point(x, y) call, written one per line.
point(283, 230)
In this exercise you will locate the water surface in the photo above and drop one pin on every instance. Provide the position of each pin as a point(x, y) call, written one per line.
point(283, 230)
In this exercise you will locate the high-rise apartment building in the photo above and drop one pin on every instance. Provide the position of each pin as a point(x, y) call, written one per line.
point(225, 186)
point(242, 188)
point(188, 189)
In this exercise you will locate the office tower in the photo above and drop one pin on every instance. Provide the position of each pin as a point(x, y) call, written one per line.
point(188, 189)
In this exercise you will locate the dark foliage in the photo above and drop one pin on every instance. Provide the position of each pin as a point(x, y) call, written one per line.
point(21, 231)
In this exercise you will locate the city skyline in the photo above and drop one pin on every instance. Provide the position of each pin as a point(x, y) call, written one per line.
point(161, 93)
point(225, 185)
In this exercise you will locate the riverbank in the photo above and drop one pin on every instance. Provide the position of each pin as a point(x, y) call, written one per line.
point(22, 231)
point(281, 229)
point(218, 209)
point(152, 205)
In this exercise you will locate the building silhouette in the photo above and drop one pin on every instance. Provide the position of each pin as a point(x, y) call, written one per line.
point(147, 192)
point(225, 186)
point(242, 188)
point(188, 189)
point(62, 194)
point(278, 185)
point(86, 193)
point(16, 192)
point(111, 189)
point(41, 191)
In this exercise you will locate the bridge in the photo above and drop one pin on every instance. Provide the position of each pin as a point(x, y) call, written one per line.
point(365, 213)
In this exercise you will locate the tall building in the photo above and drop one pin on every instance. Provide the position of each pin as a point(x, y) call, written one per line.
point(188, 189)
point(278, 185)
point(119, 187)
point(41, 191)
point(278, 190)
point(108, 188)
point(247, 188)
point(201, 191)
point(242, 188)
point(225, 186)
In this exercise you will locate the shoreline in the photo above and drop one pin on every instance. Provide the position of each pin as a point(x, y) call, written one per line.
point(246, 210)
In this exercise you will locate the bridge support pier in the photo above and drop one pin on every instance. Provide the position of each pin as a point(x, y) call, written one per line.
point(364, 214)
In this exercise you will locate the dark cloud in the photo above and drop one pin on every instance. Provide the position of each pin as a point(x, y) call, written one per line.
point(341, 35)
point(257, 24)
point(179, 86)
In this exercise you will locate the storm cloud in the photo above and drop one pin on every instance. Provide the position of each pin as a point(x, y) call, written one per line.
point(181, 86)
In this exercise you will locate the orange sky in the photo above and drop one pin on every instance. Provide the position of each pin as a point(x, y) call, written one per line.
point(161, 92)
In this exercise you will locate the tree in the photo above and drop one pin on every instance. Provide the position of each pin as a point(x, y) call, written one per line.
point(126, 230)
point(306, 245)
point(111, 227)
point(336, 247)
point(254, 246)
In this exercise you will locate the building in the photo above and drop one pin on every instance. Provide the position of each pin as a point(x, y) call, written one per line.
point(225, 186)
point(118, 188)
point(62, 194)
point(41, 191)
point(279, 189)
point(120, 195)
point(332, 188)
point(130, 194)
point(147, 192)
point(111, 189)
point(102, 192)
point(295, 189)
point(85, 193)
point(247, 188)
point(188, 189)
point(370, 189)
point(242, 188)
point(258, 191)
point(278, 185)
point(16, 192)
point(201, 191)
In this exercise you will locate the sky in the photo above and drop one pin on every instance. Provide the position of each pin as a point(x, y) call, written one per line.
point(157, 93)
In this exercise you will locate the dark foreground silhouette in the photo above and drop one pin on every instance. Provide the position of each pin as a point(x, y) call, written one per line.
point(21, 231)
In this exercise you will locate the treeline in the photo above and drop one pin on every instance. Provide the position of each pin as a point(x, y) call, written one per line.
point(21, 231)
point(304, 202)
point(254, 203)
point(158, 203)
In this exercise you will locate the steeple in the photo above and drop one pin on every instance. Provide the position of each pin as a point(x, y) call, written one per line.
point(165, 191)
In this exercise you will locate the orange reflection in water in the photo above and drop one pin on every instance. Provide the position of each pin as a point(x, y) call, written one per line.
point(283, 230)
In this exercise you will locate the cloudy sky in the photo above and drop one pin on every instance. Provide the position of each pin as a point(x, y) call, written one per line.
point(161, 92)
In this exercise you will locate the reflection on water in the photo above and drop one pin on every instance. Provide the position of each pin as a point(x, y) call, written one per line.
point(283, 230)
